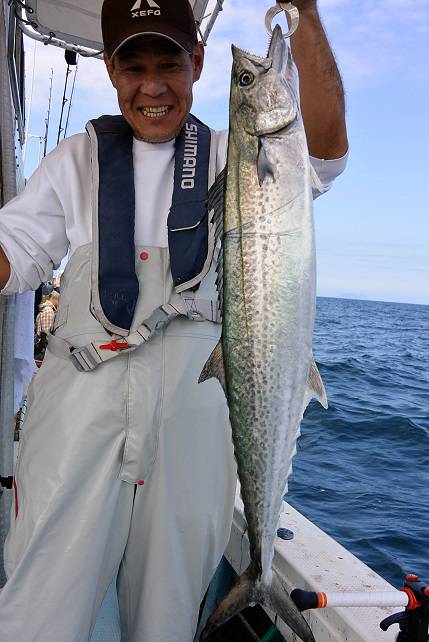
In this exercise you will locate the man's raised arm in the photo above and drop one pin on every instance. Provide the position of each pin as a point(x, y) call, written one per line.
point(321, 88)
point(4, 269)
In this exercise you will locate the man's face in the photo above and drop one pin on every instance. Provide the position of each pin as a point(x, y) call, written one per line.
point(154, 80)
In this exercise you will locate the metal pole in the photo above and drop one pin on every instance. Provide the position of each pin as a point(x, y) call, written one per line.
point(7, 304)
point(214, 16)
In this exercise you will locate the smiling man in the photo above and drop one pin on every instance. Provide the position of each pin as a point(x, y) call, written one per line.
point(154, 78)
point(133, 476)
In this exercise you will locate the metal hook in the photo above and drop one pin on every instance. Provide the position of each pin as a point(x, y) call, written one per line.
point(292, 15)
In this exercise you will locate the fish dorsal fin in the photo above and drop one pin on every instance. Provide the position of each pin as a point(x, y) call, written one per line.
point(315, 388)
point(214, 367)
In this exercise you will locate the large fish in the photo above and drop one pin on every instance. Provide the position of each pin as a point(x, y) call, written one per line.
point(264, 359)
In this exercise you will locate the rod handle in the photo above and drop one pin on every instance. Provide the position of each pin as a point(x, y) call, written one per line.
point(311, 600)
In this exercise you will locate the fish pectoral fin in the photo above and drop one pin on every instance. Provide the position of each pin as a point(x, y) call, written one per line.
point(265, 167)
point(214, 367)
point(315, 387)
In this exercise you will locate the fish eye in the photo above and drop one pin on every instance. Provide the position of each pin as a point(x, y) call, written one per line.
point(245, 79)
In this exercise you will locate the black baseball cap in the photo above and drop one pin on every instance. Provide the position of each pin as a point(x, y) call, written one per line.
point(122, 20)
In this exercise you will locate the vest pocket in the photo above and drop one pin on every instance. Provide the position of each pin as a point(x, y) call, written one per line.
point(188, 237)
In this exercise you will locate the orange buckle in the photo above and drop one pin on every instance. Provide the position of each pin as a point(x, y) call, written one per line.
point(114, 346)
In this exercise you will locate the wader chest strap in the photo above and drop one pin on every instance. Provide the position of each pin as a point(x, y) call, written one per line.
point(90, 356)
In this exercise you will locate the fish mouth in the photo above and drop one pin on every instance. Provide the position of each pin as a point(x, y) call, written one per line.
point(279, 133)
point(277, 129)
point(277, 51)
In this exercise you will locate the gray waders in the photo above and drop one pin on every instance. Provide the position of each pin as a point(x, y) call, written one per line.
point(124, 467)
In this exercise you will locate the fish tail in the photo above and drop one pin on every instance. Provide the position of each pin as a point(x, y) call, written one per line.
point(248, 591)
point(238, 598)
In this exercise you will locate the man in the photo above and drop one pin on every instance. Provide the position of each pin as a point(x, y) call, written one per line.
point(45, 318)
point(135, 473)
point(44, 324)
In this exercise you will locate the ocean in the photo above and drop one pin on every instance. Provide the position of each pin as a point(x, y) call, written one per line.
point(362, 468)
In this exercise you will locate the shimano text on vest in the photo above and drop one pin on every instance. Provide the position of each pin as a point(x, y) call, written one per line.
point(190, 158)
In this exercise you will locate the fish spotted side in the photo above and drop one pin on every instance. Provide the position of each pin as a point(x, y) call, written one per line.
point(264, 359)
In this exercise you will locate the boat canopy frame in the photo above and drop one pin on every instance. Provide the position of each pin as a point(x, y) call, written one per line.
point(15, 61)
point(31, 17)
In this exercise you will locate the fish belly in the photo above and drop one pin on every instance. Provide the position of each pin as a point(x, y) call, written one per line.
point(269, 292)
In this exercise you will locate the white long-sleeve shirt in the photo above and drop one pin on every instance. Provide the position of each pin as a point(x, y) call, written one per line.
point(53, 215)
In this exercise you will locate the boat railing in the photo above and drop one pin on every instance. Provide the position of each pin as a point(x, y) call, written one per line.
point(206, 13)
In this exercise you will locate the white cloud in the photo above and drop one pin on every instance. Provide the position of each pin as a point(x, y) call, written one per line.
point(372, 39)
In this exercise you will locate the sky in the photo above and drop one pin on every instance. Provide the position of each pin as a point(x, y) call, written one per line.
point(372, 228)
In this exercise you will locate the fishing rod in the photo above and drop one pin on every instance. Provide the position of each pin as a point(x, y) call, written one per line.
point(48, 118)
point(30, 102)
point(71, 98)
point(71, 60)
point(413, 596)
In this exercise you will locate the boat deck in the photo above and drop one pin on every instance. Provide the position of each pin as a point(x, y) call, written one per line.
point(107, 628)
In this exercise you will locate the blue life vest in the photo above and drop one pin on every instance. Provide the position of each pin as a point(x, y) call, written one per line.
point(188, 220)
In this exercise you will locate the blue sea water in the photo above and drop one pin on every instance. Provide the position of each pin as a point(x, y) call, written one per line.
point(362, 468)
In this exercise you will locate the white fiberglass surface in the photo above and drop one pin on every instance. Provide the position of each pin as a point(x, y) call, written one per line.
point(78, 22)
